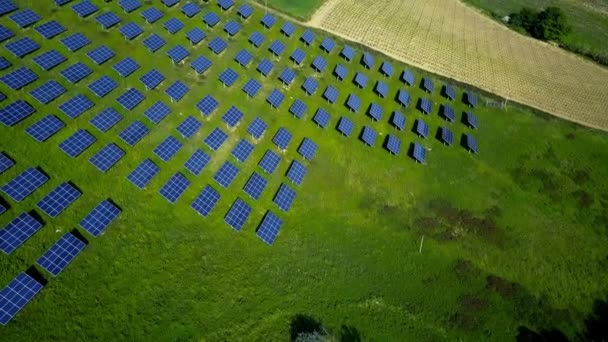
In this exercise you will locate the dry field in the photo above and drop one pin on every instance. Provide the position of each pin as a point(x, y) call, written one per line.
point(451, 39)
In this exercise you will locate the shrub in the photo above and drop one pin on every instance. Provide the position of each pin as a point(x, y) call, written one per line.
point(550, 24)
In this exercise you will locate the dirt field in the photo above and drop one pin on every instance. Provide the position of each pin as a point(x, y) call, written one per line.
point(451, 39)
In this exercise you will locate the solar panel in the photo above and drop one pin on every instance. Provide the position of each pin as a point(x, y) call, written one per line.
point(353, 103)
point(15, 112)
point(57, 258)
point(178, 53)
point(5, 33)
point(375, 112)
point(288, 29)
point(268, 20)
point(201, 64)
point(143, 173)
point(131, 98)
point(238, 214)
point(243, 57)
point(7, 6)
point(269, 228)
point(58, 200)
point(287, 76)
point(5, 162)
point(255, 186)
point(245, 11)
point(126, 67)
point(168, 148)
point(284, 197)
point(228, 77)
point(24, 184)
point(348, 53)
point(106, 119)
point(425, 105)
point(298, 56)
point(48, 91)
point(296, 172)
point(197, 162)
point(275, 98)
point(307, 37)
point(310, 85)
point(449, 92)
point(25, 18)
point(152, 79)
point(419, 153)
point(381, 89)
point(408, 77)
point(207, 105)
point(331, 94)
point(242, 150)
point(225, 4)
point(398, 120)
point(321, 118)
point(340, 71)
point(101, 54)
point(257, 128)
point(427, 85)
point(319, 64)
point(157, 112)
point(134, 133)
point(100, 218)
point(446, 136)
point(421, 128)
point(256, 39)
point(298, 108)
point(196, 35)
point(232, 116)
point(190, 9)
point(360, 80)
point(252, 87)
point(217, 45)
point(50, 29)
point(226, 174)
point(232, 28)
point(307, 149)
point(327, 45)
point(470, 99)
point(386, 69)
point(368, 135)
point(206, 201)
point(16, 232)
point(154, 42)
point(19, 78)
point(177, 91)
point(211, 19)
point(2, 97)
point(345, 126)
point(20, 290)
point(175, 187)
point(49, 59)
point(129, 5)
point(62, 2)
point(76, 72)
point(471, 143)
point(367, 60)
point(173, 25)
point(103, 86)
point(448, 113)
point(131, 31)
point(403, 98)
point(189, 127)
point(265, 67)
point(77, 143)
point(170, 3)
point(269, 162)
point(470, 120)
point(75, 42)
point(393, 144)
point(215, 139)
point(4, 63)
point(107, 157)
point(76, 106)
point(277, 48)
point(84, 8)
point(152, 15)
point(107, 20)
point(43, 129)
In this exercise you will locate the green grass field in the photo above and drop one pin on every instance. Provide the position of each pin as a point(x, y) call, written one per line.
point(302, 10)
point(515, 236)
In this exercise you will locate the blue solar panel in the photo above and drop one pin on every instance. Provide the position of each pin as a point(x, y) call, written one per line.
point(154, 42)
point(288, 29)
point(74, 145)
point(257, 128)
point(130, 99)
point(129, 5)
point(347, 52)
point(100, 218)
point(76, 106)
point(360, 80)
point(243, 57)
point(298, 56)
point(381, 89)
point(265, 67)
point(134, 133)
point(238, 214)
point(24, 184)
point(44, 128)
point(331, 94)
point(255, 186)
point(446, 136)
point(23, 288)
point(421, 128)
point(307, 149)
point(393, 144)
point(57, 258)
point(173, 25)
point(106, 119)
point(190, 9)
point(275, 98)
point(177, 91)
point(319, 64)
point(103, 86)
point(448, 113)
point(107, 157)
point(101, 54)
point(211, 19)
point(15, 112)
point(226, 174)
point(386, 69)
point(307, 37)
point(197, 162)
point(228, 77)
point(252, 87)
point(215, 139)
point(207, 105)
point(25, 18)
point(225, 4)
point(327, 45)
point(470, 120)
point(353, 103)
point(321, 118)
point(268, 20)
point(76, 72)
point(419, 153)
point(245, 11)
point(19, 78)
point(196, 35)
point(143, 173)
point(369, 136)
point(5, 162)
point(201, 64)
point(84, 8)
point(408, 77)
point(131, 31)
point(56, 201)
point(206, 201)
point(168, 148)
point(310, 85)
point(5, 33)
point(284, 197)
point(175, 187)
point(178, 53)
point(345, 126)
point(428, 85)
point(277, 48)
point(470, 143)
point(367, 60)
point(62, 2)
point(398, 120)
point(403, 98)
point(287, 76)
point(75, 42)
point(296, 172)
point(232, 116)
point(217, 45)
point(48, 92)
point(449, 92)
point(269, 162)
point(242, 150)
point(49, 59)
point(2, 97)
point(50, 29)
point(189, 127)
point(157, 112)
point(107, 20)
point(340, 71)
point(152, 79)
point(152, 15)
point(7, 6)
point(375, 112)
point(298, 108)
point(126, 67)
point(269, 228)
point(470, 99)
point(170, 3)
point(256, 39)
point(232, 28)
point(425, 105)
point(4, 63)
point(22, 47)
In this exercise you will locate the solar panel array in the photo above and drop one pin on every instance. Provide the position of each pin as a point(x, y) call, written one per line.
point(129, 5)
point(197, 162)
point(100, 218)
point(77, 143)
point(173, 25)
point(48, 91)
point(398, 120)
point(282, 138)
point(275, 98)
point(448, 113)
point(25, 18)
point(50, 29)
point(207, 105)
point(232, 116)
point(19, 78)
point(201, 64)
point(157, 112)
point(284, 197)
point(211, 19)
point(228, 77)
point(101, 54)
point(310, 85)
point(257, 128)
point(381, 89)
point(189, 127)
point(168, 148)
point(232, 28)
point(84, 8)
point(126, 67)
point(178, 53)
point(265, 67)
point(130, 99)
point(252, 87)
point(393, 144)
point(288, 29)
point(44, 128)
point(269, 227)
point(340, 71)
point(268, 20)
point(177, 91)
point(206, 201)
point(287, 76)
point(5, 162)
point(296, 172)
point(244, 57)
point(245, 11)
point(369, 136)
point(308, 37)
point(242, 150)
point(217, 45)
point(107, 20)
point(152, 15)
point(298, 108)
point(107, 157)
point(16, 295)
point(277, 48)
point(238, 214)
point(216, 138)
point(75, 41)
point(375, 112)
point(131, 31)
point(226, 174)
point(75, 106)
point(421, 128)
point(154, 42)
point(152, 79)
point(269, 162)
point(327, 45)
point(106, 119)
point(134, 133)
point(15, 112)
point(345, 126)
point(307, 149)
point(331, 94)
point(446, 136)
point(190, 9)
point(175, 187)
point(256, 39)
point(58, 200)
point(76, 72)
point(419, 153)
point(255, 186)
point(321, 118)
point(17, 231)
point(103, 86)
point(143, 173)
point(319, 64)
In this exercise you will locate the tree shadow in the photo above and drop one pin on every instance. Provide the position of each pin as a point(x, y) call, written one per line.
point(349, 334)
point(304, 324)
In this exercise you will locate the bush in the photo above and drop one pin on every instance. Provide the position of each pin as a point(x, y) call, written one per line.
point(550, 24)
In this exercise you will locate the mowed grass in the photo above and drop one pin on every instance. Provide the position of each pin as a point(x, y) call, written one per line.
point(302, 10)
point(513, 236)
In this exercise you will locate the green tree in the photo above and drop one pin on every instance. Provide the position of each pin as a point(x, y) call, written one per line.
point(525, 18)
point(551, 24)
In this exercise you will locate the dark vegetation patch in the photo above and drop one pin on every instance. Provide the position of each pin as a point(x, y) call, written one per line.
point(570, 136)
point(469, 313)
point(465, 269)
point(583, 198)
point(579, 176)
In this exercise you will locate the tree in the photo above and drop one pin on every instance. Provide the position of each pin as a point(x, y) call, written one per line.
point(551, 24)
point(526, 18)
